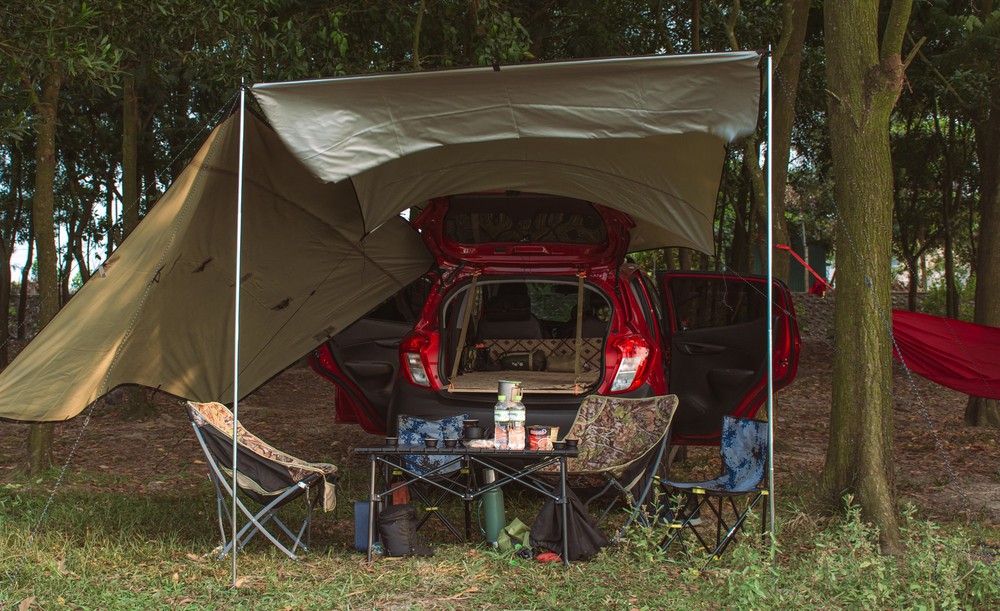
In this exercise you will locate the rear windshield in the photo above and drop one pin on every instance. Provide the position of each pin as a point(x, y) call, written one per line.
point(523, 217)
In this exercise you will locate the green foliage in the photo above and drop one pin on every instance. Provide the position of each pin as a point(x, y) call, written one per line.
point(502, 37)
point(936, 299)
point(839, 565)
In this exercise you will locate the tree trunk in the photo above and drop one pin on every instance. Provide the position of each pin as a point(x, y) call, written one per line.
point(979, 411)
point(110, 217)
point(684, 258)
point(10, 233)
point(864, 84)
point(43, 207)
point(417, 27)
point(22, 298)
point(130, 155)
point(742, 233)
point(5, 280)
point(136, 405)
point(40, 438)
point(786, 84)
point(947, 209)
point(950, 288)
point(911, 293)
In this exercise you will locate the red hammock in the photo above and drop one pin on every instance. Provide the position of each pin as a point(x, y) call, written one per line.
point(960, 355)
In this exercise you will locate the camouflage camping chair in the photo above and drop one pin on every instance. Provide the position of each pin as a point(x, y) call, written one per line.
point(622, 445)
point(266, 476)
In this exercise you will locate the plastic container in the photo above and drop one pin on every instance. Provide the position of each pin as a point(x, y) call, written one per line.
point(501, 423)
point(516, 432)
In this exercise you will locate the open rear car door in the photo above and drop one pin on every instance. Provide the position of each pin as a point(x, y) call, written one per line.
point(716, 330)
point(362, 361)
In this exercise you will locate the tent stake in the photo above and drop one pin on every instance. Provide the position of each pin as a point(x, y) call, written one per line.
point(236, 330)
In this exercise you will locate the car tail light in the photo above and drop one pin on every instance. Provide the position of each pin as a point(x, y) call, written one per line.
point(633, 358)
point(412, 351)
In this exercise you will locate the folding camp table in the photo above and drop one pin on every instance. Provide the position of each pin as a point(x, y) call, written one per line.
point(519, 466)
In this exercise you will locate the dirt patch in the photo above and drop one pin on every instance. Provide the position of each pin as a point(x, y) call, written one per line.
point(948, 470)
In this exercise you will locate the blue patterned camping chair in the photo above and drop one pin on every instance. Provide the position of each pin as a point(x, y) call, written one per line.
point(744, 457)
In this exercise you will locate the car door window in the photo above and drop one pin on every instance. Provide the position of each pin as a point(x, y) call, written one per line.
point(704, 303)
point(639, 292)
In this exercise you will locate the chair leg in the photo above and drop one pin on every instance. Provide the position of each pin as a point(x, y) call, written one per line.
point(764, 519)
point(598, 495)
point(257, 523)
point(731, 533)
point(219, 498)
point(682, 519)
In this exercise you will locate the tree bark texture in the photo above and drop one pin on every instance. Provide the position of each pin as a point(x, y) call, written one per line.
point(22, 297)
point(788, 57)
point(130, 155)
point(43, 209)
point(13, 222)
point(979, 411)
point(136, 404)
point(864, 83)
point(5, 279)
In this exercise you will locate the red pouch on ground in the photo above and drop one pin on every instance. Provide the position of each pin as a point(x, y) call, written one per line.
point(548, 557)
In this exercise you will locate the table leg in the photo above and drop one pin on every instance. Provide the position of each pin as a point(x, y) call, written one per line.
point(466, 501)
point(565, 503)
point(371, 507)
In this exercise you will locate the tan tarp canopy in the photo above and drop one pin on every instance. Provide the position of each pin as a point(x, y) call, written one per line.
point(644, 135)
point(322, 239)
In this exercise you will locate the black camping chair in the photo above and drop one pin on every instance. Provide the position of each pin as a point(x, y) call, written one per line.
point(266, 476)
point(622, 445)
point(744, 457)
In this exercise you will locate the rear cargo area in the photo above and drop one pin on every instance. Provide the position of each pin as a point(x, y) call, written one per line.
point(526, 331)
point(542, 366)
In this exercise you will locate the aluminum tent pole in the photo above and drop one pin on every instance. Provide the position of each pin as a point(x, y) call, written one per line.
point(770, 291)
point(236, 329)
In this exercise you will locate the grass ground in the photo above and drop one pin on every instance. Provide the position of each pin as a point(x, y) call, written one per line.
point(105, 549)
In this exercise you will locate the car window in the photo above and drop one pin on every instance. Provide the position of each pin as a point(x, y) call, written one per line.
point(701, 303)
point(526, 218)
point(635, 284)
point(406, 305)
point(653, 295)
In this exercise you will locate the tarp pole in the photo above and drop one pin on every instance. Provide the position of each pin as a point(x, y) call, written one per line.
point(236, 318)
point(770, 292)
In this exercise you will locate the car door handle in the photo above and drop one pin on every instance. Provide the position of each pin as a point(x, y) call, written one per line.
point(696, 348)
point(388, 343)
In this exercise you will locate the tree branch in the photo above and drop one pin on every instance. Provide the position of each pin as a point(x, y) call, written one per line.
point(895, 29)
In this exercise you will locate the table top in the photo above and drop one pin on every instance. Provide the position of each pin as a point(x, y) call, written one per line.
point(462, 451)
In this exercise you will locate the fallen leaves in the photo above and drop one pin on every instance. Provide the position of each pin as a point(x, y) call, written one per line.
point(461, 594)
point(62, 570)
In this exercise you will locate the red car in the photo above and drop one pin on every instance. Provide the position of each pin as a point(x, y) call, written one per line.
point(538, 289)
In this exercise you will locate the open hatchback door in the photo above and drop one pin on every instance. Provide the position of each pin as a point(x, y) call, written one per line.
point(716, 334)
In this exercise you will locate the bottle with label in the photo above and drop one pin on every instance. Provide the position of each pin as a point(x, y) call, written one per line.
point(516, 433)
point(501, 423)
